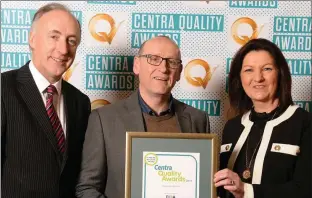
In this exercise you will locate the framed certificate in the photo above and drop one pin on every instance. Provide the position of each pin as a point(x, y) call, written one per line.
point(170, 165)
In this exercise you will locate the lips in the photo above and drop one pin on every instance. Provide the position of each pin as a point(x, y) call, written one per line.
point(160, 78)
point(258, 86)
point(59, 60)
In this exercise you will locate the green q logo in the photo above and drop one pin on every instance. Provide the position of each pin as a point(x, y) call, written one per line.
point(150, 159)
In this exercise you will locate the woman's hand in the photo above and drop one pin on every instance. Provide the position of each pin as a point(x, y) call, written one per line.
point(230, 181)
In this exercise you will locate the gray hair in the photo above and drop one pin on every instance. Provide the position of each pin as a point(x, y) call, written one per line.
point(50, 7)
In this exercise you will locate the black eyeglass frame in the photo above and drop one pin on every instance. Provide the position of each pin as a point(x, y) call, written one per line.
point(148, 58)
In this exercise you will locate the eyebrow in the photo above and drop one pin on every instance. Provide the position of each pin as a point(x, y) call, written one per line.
point(58, 32)
point(261, 65)
point(170, 57)
point(54, 31)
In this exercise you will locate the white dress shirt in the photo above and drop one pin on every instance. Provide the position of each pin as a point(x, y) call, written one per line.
point(58, 99)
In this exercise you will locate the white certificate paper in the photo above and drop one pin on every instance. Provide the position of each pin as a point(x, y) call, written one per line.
point(170, 175)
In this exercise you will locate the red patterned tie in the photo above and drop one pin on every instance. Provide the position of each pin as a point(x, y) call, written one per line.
point(56, 124)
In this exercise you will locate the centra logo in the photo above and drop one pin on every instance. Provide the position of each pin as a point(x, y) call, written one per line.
point(196, 80)
point(68, 74)
point(99, 103)
point(243, 39)
point(101, 35)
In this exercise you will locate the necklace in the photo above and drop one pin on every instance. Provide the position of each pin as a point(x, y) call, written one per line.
point(247, 171)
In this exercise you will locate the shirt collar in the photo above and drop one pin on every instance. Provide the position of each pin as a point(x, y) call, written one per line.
point(41, 82)
point(146, 109)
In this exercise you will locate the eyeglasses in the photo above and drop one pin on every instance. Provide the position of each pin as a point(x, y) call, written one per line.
point(156, 60)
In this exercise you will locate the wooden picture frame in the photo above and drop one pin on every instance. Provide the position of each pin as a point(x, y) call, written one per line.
point(169, 164)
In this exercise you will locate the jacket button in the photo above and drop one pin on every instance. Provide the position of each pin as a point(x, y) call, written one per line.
point(277, 147)
point(298, 151)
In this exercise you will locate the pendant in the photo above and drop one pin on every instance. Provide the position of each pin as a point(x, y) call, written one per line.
point(246, 174)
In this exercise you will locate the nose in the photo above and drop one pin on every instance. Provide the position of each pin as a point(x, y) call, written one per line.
point(163, 67)
point(258, 77)
point(62, 47)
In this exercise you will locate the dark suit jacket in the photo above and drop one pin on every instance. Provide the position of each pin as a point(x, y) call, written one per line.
point(31, 166)
point(283, 163)
point(103, 164)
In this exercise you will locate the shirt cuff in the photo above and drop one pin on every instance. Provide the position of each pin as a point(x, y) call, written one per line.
point(248, 191)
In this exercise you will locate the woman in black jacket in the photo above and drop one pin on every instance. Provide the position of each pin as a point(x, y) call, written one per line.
point(266, 149)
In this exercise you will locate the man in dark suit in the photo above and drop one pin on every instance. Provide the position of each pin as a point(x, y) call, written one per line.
point(152, 108)
point(43, 118)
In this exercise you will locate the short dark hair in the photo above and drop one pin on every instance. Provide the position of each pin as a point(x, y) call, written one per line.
point(239, 100)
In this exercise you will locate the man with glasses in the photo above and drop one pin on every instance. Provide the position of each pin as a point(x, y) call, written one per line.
point(152, 108)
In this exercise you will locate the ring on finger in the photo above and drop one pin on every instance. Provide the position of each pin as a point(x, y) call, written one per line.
point(232, 182)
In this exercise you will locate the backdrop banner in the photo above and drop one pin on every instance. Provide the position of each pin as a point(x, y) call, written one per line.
point(208, 33)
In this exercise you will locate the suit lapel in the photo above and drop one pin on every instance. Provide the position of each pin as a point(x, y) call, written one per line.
point(30, 94)
point(69, 109)
point(133, 120)
point(184, 119)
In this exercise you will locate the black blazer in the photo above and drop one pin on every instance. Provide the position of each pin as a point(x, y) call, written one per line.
point(283, 163)
point(31, 166)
